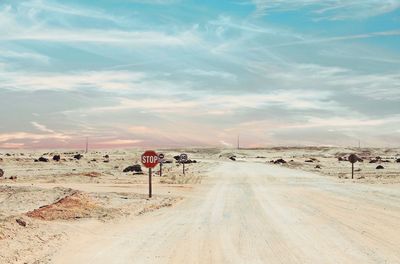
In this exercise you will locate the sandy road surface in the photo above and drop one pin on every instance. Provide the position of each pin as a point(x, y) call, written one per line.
point(255, 213)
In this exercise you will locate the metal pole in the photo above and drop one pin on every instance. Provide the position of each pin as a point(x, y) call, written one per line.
point(183, 168)
point(150, 187)
point(160, 169)
point(352, 170)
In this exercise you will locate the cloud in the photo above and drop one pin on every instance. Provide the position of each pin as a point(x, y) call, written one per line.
point(120, 142)
point(42, 128)
point(103, 80)
point(341, 38)
point(332, 9)
point(31, 136)
point(31, 56)
point(210, 73)
point(18, 24)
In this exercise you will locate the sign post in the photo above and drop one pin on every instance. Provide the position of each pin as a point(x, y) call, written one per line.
point(161, 157)
point(183, 158)
point(150, 160)
point(353, 159)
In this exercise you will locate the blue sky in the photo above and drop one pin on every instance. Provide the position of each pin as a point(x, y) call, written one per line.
point(164, 73)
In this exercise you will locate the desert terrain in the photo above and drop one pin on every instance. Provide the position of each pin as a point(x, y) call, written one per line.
point(284, 205)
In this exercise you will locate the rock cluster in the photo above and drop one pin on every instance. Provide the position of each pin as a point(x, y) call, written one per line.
point(134, 168)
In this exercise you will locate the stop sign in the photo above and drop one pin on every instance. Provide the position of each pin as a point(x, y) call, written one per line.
point(150, 159)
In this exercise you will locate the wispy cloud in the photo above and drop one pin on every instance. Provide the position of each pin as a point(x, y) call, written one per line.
point(332, 9)
point(42, 128)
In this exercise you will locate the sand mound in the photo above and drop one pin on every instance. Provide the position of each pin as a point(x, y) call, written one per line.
point(92, 174)
point(76, 205)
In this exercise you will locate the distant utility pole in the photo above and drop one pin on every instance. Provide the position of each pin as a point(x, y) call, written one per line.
point(238, 142)
point(359, 144)
point(87, 145)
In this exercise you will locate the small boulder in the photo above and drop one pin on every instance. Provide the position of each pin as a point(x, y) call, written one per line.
point(177, 158)
point(56, 157)
point(398, 160)
point(280, 161)
point(20, 222)
point(1, 173)
point(233, 158)
point(134, 168)
point(78, 156)
point(106, 156)
point(380, 167)
point(43, 159)
point(318, 167)
point(309, 161)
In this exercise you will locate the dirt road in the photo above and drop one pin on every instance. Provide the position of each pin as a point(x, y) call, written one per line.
point(255, 213)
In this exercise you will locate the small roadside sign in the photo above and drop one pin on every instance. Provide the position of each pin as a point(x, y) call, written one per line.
point(150, 160)
point(353, 158)
point(161, 157)
point(182, 159)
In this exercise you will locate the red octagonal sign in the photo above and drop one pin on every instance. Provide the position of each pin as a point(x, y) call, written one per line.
point(150, 159)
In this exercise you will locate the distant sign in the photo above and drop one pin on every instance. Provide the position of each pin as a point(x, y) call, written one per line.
point(161, 156)
point(183, 157)
point(149, 159)
point(353, 158)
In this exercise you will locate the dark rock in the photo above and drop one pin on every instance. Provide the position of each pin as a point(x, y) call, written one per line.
point(373, 161)
point(340, 159)
point(13, 178)
point(167, 161)
point(232, 158)
point(189, 161)
point(177, 158)
point(106, 156)
point(94, 160)
point(134, 168)
point(380, 167)
point(8, 154)
point(398, 160)
point(318, 167)
point(56, 157)
point(78, 156)
point(280, 161)
point(1, 173)
point(106, 161)
point(43, 159)
point(20, 222)
point(309, 161)
point(35, 160)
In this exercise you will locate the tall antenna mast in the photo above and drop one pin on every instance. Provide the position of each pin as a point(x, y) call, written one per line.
point(87, 145)
point(238, 142)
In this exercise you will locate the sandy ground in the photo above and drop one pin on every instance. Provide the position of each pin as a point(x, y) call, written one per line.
point(222, 211)
point(255, 213)
point(44, 204)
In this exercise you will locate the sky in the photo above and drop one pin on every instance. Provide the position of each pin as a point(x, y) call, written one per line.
point(172, 73)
